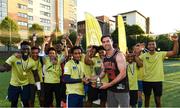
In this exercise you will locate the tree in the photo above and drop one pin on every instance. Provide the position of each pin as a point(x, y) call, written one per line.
point(115, 35)
point(133, 30)
point(36, 28)
point(132, 33)
point(9, 32)
point(73, 37)
point(8, 24)
point(164, 43)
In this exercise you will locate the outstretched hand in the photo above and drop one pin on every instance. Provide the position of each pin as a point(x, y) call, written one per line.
point(79, 36)
point(174, 37)
point(53, 35)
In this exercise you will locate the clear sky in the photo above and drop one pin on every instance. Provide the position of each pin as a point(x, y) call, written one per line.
point(164, 14)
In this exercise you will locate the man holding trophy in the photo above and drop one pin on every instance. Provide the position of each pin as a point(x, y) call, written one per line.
point(114, 65)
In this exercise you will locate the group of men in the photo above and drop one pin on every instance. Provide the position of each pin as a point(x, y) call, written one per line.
point(106, 75)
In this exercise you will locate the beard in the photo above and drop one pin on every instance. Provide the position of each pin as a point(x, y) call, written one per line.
point(107, 48)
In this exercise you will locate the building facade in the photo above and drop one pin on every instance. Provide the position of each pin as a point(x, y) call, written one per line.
point(18, 11)
point(41, 12)
point(107, 25)
point(135, 17)
point(3, 9)
point(70, 15)
point(52, 15)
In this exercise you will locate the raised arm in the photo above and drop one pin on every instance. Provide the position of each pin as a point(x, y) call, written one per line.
point(88, 59)
point(65, 48)
point(138, 61)
point(137, 49)
point(175, 50)
point(68, 41)
point(78, 40)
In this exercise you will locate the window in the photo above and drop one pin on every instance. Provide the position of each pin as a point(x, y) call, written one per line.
point(45, 6)
point(30, 9)
point(48, 1)
point(29, 25)
point(23, 15)
point(30, 2)
point(47, 28)
point(43, 20)
point(22, 23)
point(30, 18)
point(124, 18)
point(21, 6)
point(45, 13)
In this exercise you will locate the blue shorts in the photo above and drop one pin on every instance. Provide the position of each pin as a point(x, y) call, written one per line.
point(74, 100)
point(140, 85)
point(15, 91)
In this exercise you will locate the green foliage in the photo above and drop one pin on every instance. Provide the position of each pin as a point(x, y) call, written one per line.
point(9, 32)
point(8, 24)
point(36, 28)
point(164, 43)
point(132, 33)
point(133, 30)
point(5, 39)
point(83, 43)
point(115, 35)
point(73, 37)
point(57, 39)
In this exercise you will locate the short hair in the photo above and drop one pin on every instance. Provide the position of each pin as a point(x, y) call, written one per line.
point(100, 48)
point(95, 47)
point(151, 40)
point(25, 43)
point(51, 49)
point(34, 48)
point(105, 37)
point(76, 47)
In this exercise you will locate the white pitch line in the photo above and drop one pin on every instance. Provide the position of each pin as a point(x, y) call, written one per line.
point(172, 82)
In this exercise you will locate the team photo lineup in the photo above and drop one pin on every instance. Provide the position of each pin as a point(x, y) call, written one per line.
point(89, 53)
point(71, 77)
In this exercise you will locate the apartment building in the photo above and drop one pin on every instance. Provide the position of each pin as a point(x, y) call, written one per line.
point(3, 9)
point(70, 15)
point(41, 12)
point(51, 14)
point(107, 25)
point(135, 17)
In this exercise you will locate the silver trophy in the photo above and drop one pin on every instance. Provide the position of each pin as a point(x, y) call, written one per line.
point(98, 82)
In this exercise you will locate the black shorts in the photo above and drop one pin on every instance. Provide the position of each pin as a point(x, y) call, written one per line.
point(33, 91)
point(95, 93)
point(155, 86)
point(133, 97)
point(14, 92)
point(63, 91)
